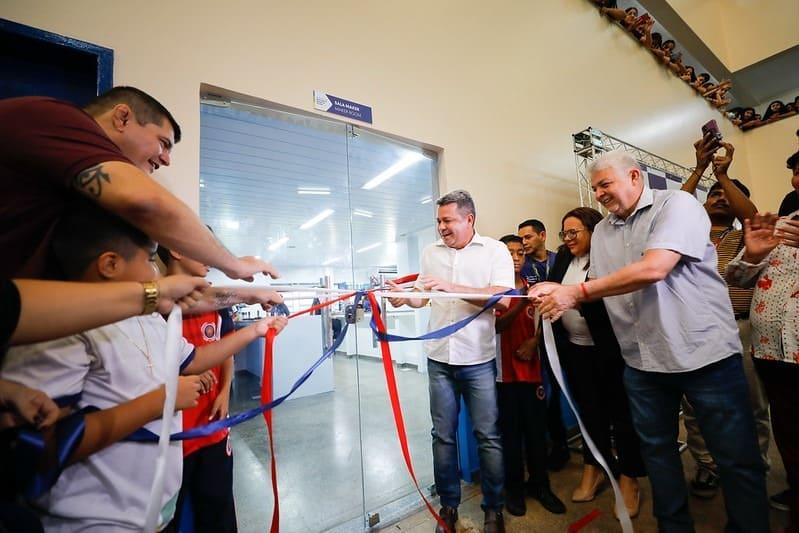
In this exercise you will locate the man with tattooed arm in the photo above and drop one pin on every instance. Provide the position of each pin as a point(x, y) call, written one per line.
point(52, 152)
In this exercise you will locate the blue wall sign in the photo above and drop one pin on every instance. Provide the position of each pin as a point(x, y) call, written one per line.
point(340, 106)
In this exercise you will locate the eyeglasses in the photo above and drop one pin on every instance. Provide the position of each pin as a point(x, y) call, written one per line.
point(569, 234)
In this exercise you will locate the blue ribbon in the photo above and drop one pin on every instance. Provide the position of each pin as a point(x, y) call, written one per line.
point(446, 331)
point(145, 435)
point(69, 430)
point(36, 473)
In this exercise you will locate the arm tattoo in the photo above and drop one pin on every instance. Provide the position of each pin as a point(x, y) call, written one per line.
point(226, 298)
point(90, 181)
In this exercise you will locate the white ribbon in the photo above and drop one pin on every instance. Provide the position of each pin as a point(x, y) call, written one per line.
point(554, 363)
point(552, 354)
point(174, 333)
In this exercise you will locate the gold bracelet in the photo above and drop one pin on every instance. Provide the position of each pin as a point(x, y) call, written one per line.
point(151, 294)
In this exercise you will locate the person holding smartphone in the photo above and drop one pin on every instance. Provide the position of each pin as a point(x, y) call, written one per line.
point(727, 200)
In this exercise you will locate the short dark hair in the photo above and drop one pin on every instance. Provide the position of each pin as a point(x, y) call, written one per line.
point(86, 231)
point(460, 197)
point(164, 254)
point(744, 189)
point(657, 39)
point(704, 75)
point(511, 238)
point(537, 225)
point(147, 109)
point(793, 161)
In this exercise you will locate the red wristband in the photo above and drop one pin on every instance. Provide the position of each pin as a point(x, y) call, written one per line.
point(583, 290)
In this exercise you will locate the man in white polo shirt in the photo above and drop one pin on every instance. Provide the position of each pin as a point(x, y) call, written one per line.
point(462, 364)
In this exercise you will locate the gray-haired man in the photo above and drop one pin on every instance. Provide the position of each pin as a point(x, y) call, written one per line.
point(653, 263)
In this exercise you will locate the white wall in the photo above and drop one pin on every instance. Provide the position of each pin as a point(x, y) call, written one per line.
point(742, 32)
point(499, 86)
point(767, 148)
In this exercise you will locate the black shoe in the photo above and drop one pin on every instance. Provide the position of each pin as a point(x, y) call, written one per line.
point(547, 499)
point(449, 515)
point(558, 458)
point(515, 504)
point(494, 522)
point(706, 484)
point(780, 501)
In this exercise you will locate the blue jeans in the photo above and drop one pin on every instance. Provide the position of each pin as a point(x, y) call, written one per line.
point(720, 396)
point(477, 385)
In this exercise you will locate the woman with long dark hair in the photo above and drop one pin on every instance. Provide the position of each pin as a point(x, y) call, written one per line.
point(774, 110)
point(593, 366)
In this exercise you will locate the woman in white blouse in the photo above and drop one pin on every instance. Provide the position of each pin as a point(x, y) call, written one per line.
point(593, 366)
point(769, 262)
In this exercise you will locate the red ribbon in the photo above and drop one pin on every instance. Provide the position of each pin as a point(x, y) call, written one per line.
point(393, 394)
point(267, 393)
point(266, 397)
point(574, 527)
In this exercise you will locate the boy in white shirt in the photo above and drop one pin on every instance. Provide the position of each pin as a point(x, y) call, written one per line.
point(108, 366)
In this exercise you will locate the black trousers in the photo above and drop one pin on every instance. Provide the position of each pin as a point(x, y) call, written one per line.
point(208, 478)
point(522, 421)
point(596, 383)
point(780, 380)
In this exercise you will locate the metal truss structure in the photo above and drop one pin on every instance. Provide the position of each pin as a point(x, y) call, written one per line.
point(591, 142)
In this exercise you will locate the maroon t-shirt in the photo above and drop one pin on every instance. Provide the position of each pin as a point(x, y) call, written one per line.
point(44, 144)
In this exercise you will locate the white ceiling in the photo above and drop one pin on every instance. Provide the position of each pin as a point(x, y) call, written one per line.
point(252, 160)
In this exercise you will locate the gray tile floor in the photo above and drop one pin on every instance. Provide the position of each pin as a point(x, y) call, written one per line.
point(322, 482)
point(320, 440)
point(709, 515)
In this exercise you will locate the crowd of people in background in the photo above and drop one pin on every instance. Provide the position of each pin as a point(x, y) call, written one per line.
point(747, 117)
point(716, 93)
point(640, 27)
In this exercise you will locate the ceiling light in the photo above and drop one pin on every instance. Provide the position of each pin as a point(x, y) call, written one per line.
point(331, 261)
point(230, 224)
point(278, 243)
point(363, 213)
point(322, 191)
point(367, 248)
point(426, 199)
point(317, 219)
point(406, 161)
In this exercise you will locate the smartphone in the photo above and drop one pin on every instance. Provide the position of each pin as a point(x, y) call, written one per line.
point(713, 129)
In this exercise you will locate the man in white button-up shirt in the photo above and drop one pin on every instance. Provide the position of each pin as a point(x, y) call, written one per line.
point(462, 364)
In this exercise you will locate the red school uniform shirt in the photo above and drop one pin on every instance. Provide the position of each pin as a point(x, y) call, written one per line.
point(511, 369)
point(201, 330)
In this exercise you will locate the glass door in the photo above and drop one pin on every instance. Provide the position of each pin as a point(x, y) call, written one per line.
point(392, 187)
point(329, 205)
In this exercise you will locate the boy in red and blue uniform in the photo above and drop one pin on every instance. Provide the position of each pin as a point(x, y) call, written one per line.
point(522, 400)
point(207, 461)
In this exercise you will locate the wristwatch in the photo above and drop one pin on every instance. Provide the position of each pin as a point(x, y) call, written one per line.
point(150, 297)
